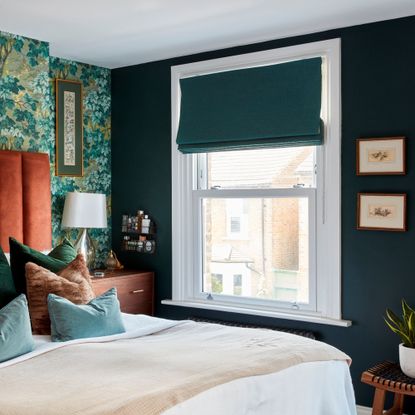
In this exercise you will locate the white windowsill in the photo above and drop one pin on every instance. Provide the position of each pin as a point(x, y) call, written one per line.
point(310, 318)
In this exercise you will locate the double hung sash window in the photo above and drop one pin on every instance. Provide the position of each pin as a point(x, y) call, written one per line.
point(256, 183)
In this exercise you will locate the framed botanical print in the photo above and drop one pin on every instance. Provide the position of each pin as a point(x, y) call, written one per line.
point(69, 129)
point(380, 156)
point(381, 211)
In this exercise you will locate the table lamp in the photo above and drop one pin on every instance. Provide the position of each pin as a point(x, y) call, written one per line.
point(85, 211)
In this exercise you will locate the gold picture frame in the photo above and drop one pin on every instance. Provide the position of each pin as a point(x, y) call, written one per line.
point(69, 128)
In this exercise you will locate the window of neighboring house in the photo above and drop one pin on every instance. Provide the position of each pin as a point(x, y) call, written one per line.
point(235, 225)
point(267, 221)
point(236, 219)
point(237, 284)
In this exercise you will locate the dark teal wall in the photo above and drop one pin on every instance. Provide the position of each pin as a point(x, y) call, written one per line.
point(378, 99)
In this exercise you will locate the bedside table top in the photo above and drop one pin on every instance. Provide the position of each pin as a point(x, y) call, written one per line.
point(119, 273)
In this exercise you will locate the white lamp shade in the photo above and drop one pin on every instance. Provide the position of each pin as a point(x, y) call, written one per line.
point(84, 210)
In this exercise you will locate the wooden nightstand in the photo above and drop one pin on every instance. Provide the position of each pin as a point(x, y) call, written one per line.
point(135, 289)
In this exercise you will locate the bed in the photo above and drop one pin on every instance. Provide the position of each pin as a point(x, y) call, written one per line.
point(176, 368)
point(170, 367)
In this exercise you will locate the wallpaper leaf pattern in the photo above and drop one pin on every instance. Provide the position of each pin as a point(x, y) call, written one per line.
point(27, 121)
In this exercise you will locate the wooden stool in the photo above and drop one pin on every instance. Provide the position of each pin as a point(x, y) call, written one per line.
point(388, 377)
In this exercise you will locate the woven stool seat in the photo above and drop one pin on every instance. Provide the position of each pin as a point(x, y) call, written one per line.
point(391, 375)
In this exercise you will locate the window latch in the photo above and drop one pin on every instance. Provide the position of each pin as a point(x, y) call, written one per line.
point(209, 297)
point(299, 186)
point(295, 306)
point(215, 187)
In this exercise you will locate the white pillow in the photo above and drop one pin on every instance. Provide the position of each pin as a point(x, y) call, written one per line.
point(8, 255)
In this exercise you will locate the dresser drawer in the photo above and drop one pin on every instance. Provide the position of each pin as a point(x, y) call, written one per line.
point(135, 291)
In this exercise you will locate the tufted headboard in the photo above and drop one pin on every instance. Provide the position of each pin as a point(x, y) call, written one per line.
point(25, 199)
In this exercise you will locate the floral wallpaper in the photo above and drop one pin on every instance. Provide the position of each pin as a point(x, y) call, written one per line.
point(25, 100)
point(27, 121)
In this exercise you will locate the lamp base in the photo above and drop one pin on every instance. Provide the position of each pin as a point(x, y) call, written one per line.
point(85, 246)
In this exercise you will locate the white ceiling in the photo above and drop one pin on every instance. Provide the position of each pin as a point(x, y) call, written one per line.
point(114, 33)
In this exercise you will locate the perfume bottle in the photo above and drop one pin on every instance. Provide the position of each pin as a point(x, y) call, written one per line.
point(145, 225)
point(140, 217)
point(111, 262)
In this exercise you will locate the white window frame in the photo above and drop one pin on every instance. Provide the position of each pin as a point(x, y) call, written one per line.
point(197, 292)
point(186, 223)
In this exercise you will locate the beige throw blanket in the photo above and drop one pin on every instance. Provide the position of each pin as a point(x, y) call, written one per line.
point(148, 375)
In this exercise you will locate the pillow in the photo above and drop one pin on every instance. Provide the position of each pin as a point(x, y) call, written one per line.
point(20, 254)
point(15, 331)
point(73, 283)
point(65, 251)
point(100, 317)
point(7, 289)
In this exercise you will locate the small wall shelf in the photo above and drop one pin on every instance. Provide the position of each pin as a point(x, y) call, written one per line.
point(134, 239)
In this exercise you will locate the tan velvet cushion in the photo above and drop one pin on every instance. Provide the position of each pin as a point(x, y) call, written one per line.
point(72, 283)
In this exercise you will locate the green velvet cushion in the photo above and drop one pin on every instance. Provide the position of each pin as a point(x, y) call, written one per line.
point(7, 288)
point(64, 251)
point(100, 317)
point(15, 330)
point(20, 254)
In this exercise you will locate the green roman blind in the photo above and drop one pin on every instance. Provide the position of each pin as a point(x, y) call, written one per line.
point(269, 106)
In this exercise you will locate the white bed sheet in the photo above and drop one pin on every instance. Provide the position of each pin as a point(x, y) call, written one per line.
point(315, 388)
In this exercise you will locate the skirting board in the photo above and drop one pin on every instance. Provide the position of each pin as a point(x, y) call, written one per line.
point(364, 410)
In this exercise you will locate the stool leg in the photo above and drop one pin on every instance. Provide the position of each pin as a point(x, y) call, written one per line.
point(378, 402)
point(397, 408)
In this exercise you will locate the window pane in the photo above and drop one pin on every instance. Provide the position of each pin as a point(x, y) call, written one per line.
point(269, 260)
point(264, 168)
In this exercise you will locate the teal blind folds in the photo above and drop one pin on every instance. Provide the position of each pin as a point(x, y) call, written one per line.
point(269, 106)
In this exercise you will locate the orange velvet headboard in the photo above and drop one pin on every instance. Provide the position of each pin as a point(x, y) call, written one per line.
point(25, 199)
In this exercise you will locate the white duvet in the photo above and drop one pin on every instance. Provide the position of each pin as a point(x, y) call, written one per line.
point(316, 388)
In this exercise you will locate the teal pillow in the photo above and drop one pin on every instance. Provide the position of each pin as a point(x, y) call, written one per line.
point(7, 288)
point(55, 261)
point(15, 330)
point(100, 317)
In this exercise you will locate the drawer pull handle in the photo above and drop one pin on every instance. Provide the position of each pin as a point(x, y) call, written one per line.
point(137, 291)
